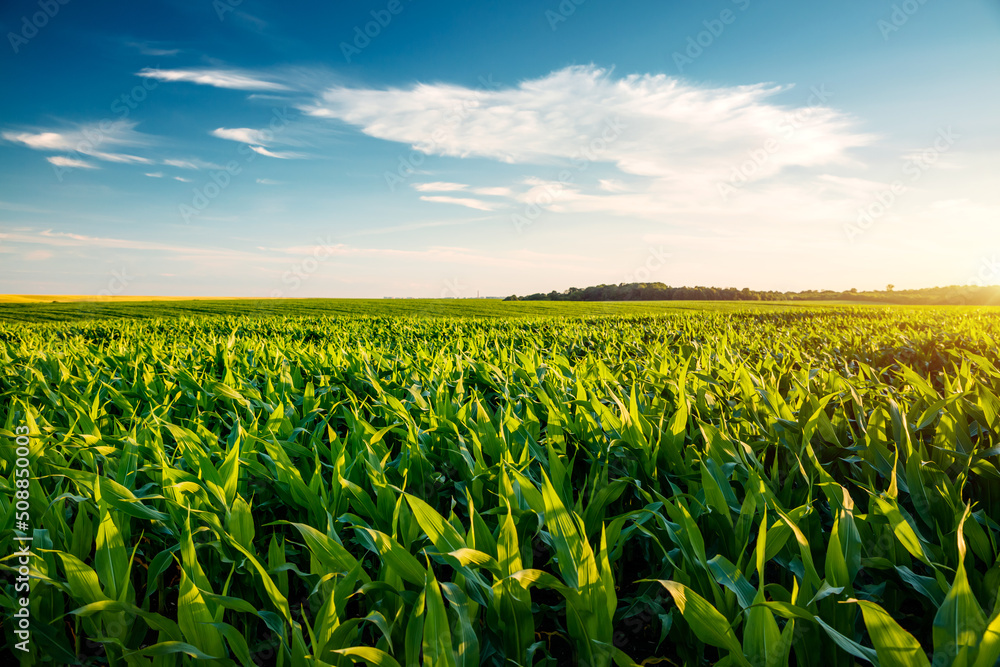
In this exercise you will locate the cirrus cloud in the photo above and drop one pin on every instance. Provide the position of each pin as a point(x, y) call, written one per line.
point(218, 78)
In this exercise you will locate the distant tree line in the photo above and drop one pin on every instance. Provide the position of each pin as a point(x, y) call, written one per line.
point(955, 294)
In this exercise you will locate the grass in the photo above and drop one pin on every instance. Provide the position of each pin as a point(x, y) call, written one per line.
point(66, 311)
point(668, 482)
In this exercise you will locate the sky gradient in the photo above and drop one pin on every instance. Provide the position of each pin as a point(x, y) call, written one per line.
point(426, 148)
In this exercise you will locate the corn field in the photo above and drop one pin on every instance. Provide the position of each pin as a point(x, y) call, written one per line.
point(817, 487)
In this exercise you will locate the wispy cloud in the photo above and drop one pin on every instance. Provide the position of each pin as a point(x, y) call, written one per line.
point(493, 191)
point(280, 155)
point(244, 135)
point(88, 140)
point(279, 256)
point(444, 186)
point(49, 238)
point(70, 163)
point(192, 163)
point(152, 49)
point(518, 259)
point(21, 208)
point(461, 201)
point(155, 174)
point(440, 186)
point(257, 140)
point(219, 78)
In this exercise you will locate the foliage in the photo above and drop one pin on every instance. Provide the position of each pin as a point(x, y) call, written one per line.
point(814, 487)
point(952, 295)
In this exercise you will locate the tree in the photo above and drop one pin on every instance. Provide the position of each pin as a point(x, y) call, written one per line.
point(890, 287)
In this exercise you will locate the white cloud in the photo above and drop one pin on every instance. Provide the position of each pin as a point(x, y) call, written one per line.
point(445, 186)
point(243, 135)
point(494, 192)
point(612, 185)
point(268, 181)
point(461, 201)
point(652, 125)
point(182, 179)
point(120, 158)
point(70, 163)
point(85, 141)
point(257, 140)
point(155, 174)
point(440, 186)
point(193, 163)
point(181, 164)
point(219, 78)
point(42, 141)
point(282, 156)
point(657, 144)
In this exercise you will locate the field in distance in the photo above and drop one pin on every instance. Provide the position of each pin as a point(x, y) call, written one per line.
point(68, 308)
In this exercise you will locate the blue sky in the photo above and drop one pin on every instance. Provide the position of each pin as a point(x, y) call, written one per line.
point(244, 148)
